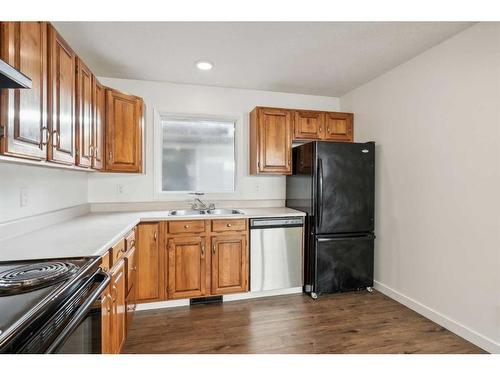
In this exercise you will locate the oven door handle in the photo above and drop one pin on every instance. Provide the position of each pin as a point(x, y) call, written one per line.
point(79, 316)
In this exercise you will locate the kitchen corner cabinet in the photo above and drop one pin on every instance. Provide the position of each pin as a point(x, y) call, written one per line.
point(23, 113)
point(124, 124)
point(270, 141)
point(62, 111)
point(272, 131)
point(149, 262)
point(84, 118)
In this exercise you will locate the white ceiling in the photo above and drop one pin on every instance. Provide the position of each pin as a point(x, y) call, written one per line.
point(320, 58)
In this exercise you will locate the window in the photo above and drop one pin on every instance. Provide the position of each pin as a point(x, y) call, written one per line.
point(197, 155)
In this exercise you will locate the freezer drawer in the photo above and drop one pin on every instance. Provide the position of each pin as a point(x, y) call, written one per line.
point(276, 257)
point(343, 263)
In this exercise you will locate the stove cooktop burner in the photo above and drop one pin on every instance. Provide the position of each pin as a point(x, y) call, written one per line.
point(34, 276)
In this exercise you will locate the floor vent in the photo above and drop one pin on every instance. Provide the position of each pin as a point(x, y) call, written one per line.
point(204, 300)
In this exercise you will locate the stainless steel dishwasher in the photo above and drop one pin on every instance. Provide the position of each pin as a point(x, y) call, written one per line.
point(276, 253)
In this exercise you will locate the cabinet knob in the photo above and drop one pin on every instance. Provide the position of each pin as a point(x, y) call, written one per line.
point(186, 226)
point(229, 225)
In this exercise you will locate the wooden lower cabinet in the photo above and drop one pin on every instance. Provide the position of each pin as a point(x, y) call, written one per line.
point(229, 264)
point(131, 286)
point(149, 263)
point(106, 322)
point(118, 317)
point(186, 267)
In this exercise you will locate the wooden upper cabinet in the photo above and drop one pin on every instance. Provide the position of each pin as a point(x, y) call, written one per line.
point(23, 112)
point(308, 125)
point(99, 102)
point(124, 123)
point(186, 267)
point(84, 117)
point(148, 282)
point(229, 264)
point(61, 81)
point(339, 126)
point(270, 141)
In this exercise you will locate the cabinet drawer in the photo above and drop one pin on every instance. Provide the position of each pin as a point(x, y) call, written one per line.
point(130, 240)
point(106, 262)
point(118, 250)
point(229, 225)
point(191, 226)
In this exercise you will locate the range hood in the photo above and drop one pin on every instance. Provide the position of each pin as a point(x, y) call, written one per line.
point(10, 78)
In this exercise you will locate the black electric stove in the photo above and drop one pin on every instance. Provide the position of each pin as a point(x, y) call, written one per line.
point(51, 306)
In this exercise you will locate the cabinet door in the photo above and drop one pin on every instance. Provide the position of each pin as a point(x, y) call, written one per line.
point(131, 285)
point(308, 125)
point(124, 118)
point(23, 112)
point(338, 127)
point(107, 322)
point(148, 277)
point(98, 128)
point(62, 67)
point(186, 267)
point(229, 264)
point(118, 293)
point(275, 140)
point(84, 118)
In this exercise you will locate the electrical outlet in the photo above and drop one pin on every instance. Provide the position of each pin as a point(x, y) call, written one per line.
point(23, 197)
point(120, 188)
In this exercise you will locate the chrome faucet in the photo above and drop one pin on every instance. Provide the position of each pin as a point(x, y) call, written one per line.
point(198, 204)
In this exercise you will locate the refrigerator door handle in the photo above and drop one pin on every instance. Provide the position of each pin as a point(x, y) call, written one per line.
point(346, 238)
point(320, 193)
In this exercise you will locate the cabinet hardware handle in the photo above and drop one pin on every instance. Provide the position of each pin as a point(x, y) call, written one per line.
point(132, 243)
point(110, 155)
point(213, 249)
point(186, 226)
point(57, 138)
point(96, 152)
point(202, 250)
point(91, 151)
point(45, 136)
point(116, 292)
point(155, 236)
point(228, 225)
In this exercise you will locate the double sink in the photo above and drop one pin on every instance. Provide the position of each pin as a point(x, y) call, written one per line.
point(219, 211)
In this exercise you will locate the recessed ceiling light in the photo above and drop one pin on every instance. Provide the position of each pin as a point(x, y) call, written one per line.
point(204, 65)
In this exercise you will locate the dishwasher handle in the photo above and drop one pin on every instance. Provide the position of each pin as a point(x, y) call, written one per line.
point(280, 222)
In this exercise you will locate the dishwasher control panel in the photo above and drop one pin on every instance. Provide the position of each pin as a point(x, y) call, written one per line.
point(277, 222)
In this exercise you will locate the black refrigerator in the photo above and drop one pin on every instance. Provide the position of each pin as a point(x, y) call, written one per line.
point(334, 183)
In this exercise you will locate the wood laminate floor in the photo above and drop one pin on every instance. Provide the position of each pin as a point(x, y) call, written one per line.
point(359, 322)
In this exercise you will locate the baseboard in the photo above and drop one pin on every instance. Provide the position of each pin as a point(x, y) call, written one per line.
point(459, 329)
point(226, 298)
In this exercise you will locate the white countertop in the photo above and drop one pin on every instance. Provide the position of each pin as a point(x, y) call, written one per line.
point(93, 234)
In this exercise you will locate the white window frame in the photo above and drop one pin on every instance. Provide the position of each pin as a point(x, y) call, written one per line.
point(161, 195)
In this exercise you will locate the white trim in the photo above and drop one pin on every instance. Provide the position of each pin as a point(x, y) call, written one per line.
point(226, 298)
point(448, 323)
point(239, 138)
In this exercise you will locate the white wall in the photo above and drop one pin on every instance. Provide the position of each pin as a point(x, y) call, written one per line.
point(190, 99)
point(47, 189)
point(436, 123)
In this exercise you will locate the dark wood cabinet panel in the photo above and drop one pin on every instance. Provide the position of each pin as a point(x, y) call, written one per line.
point(186, 267)
point(339, 127)
point(23, 112)
point(62, 65)
point(149, 278)
point(124, 122)
point(229, 264)
point(84, 118)
point(308, 125)
point(118, 314)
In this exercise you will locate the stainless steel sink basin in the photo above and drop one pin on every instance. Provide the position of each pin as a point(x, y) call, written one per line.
point(187, 212)
point(224, 211)
point(219, 211)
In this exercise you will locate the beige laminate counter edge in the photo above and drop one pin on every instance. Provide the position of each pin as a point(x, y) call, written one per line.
point(93, 234)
